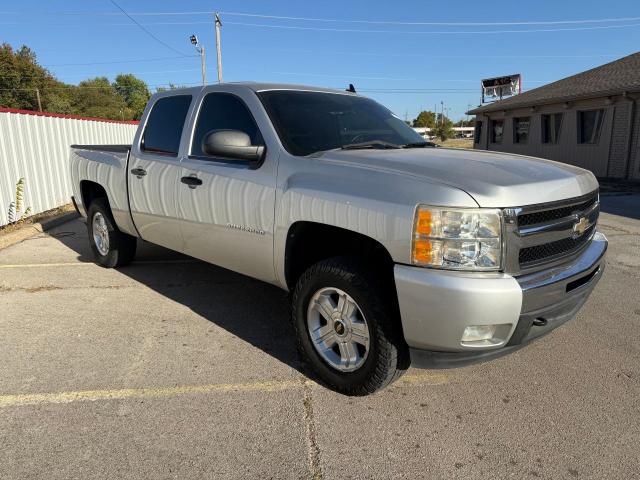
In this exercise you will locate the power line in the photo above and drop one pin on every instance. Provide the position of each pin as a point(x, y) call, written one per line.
point(68, 87)
point(137, 60)
point(393, 22)
point(346, 30)
point(339, 20)
point(147, 31)
point(101, 74)
point(431, 32)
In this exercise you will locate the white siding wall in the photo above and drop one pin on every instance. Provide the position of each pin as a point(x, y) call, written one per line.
point(36, 147)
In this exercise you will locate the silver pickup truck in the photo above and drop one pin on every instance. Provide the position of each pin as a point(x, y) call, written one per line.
point(395, 252)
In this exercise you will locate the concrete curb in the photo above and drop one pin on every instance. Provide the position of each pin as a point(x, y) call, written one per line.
point(34, 229)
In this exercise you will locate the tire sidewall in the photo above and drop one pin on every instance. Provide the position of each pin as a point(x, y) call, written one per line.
point(110, 259)
point(366, 302)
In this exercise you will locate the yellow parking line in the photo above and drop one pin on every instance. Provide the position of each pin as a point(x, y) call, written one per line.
point(19, 400)
point(95, 395)
point(35, 265)
point(79, 264)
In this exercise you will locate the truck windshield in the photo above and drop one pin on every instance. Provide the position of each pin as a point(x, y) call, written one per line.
point(310, 122)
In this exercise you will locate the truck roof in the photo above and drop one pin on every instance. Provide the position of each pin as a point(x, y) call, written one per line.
point(263, 86)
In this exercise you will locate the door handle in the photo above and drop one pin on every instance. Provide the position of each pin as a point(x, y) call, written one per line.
point(193, 182)
point(139, 172)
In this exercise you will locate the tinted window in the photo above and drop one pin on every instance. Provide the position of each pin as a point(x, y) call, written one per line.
point(223, 111)
point(497, 129)
point(551, 128)
point(309, 122)
point(589, 124)
point(521, 130)
point(478, 131)
point(164, 126)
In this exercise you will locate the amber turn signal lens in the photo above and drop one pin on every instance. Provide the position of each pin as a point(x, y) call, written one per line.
point(424, 222)
point(422, 251)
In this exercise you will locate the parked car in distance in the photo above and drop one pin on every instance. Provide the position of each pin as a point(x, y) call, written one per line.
point(395, 253)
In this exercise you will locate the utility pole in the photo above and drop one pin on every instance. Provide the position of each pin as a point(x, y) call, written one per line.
point(204, 68)
point(442, 114)
point(200, 50)
point(218, 48)
point(38, 97)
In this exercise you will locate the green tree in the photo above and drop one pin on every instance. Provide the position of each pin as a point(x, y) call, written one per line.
point(21, 77)
point(97, 97)
point(425, 119)
point(443, 130)
point(133, 91)
point(172, 86)
point(466, 123)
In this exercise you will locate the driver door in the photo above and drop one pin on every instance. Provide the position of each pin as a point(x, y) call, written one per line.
point(226, 206)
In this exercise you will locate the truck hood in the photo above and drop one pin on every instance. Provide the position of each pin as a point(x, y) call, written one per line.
point(493, 179)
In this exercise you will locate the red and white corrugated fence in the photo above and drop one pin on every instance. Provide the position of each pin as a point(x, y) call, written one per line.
point(35, 146)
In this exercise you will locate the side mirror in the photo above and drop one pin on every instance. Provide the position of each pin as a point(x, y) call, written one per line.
point(232, 144)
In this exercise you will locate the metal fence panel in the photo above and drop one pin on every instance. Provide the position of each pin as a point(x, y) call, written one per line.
point(36, 147)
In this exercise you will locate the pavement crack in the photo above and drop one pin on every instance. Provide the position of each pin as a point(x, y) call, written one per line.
point(312, 443)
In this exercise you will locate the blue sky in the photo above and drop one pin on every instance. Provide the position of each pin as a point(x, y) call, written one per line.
point(79, 39)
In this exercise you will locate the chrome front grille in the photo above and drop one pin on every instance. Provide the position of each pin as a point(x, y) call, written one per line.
point(539, 236)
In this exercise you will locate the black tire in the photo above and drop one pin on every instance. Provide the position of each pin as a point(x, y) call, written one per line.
point(122, 247)
point(388, 355)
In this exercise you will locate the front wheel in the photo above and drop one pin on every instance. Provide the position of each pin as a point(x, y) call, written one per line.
point(110, 246)
point(348, 327)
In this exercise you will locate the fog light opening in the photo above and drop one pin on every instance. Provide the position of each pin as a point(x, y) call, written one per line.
point(485, 335)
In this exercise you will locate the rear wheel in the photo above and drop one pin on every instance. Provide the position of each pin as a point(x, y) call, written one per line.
point(111, 247)
point(348, 328)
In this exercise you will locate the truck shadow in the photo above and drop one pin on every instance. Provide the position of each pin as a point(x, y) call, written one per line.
point(253, 311)
point(624, 205)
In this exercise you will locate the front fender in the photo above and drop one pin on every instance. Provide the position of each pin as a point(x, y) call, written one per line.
point(379, 205)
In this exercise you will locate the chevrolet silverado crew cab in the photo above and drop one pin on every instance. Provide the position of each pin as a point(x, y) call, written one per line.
point(394, 252)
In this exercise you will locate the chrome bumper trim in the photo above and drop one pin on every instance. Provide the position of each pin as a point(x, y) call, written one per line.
point(549, 287)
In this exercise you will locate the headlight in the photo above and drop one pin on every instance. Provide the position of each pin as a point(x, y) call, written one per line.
point(457, 238)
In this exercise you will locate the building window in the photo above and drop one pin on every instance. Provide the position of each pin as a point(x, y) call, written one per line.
point(521, 129)
point(477, 133)
point(589, 125)
point(551, 128)
point(497, 128)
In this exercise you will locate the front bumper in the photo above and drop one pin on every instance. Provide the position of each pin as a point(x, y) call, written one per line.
point(436, 306)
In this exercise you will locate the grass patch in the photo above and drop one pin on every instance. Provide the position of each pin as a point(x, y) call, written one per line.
point(455, 142)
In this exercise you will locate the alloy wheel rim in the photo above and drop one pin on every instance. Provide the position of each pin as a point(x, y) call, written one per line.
point(100, 233)
point(338, 329)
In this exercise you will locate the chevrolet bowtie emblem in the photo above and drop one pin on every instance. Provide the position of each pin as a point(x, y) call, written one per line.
point(580, 227)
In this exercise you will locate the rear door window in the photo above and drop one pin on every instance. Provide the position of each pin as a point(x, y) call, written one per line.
point(164, 126)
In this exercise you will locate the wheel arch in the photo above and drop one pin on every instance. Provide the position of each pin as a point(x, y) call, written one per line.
point(309, 242)
point(90, 191)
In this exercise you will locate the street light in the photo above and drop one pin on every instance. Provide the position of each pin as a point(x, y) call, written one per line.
point(200, 49)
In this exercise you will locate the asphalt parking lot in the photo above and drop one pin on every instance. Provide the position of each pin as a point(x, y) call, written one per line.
point(172, 368)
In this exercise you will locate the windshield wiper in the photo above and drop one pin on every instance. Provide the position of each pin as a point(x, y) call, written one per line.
point(419, 145)
point(373, 144)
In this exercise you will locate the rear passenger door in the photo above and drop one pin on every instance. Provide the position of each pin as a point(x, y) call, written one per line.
point(228, 217)
point(154, 172)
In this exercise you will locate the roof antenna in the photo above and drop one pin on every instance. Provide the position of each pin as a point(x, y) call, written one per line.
point(351, 88)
